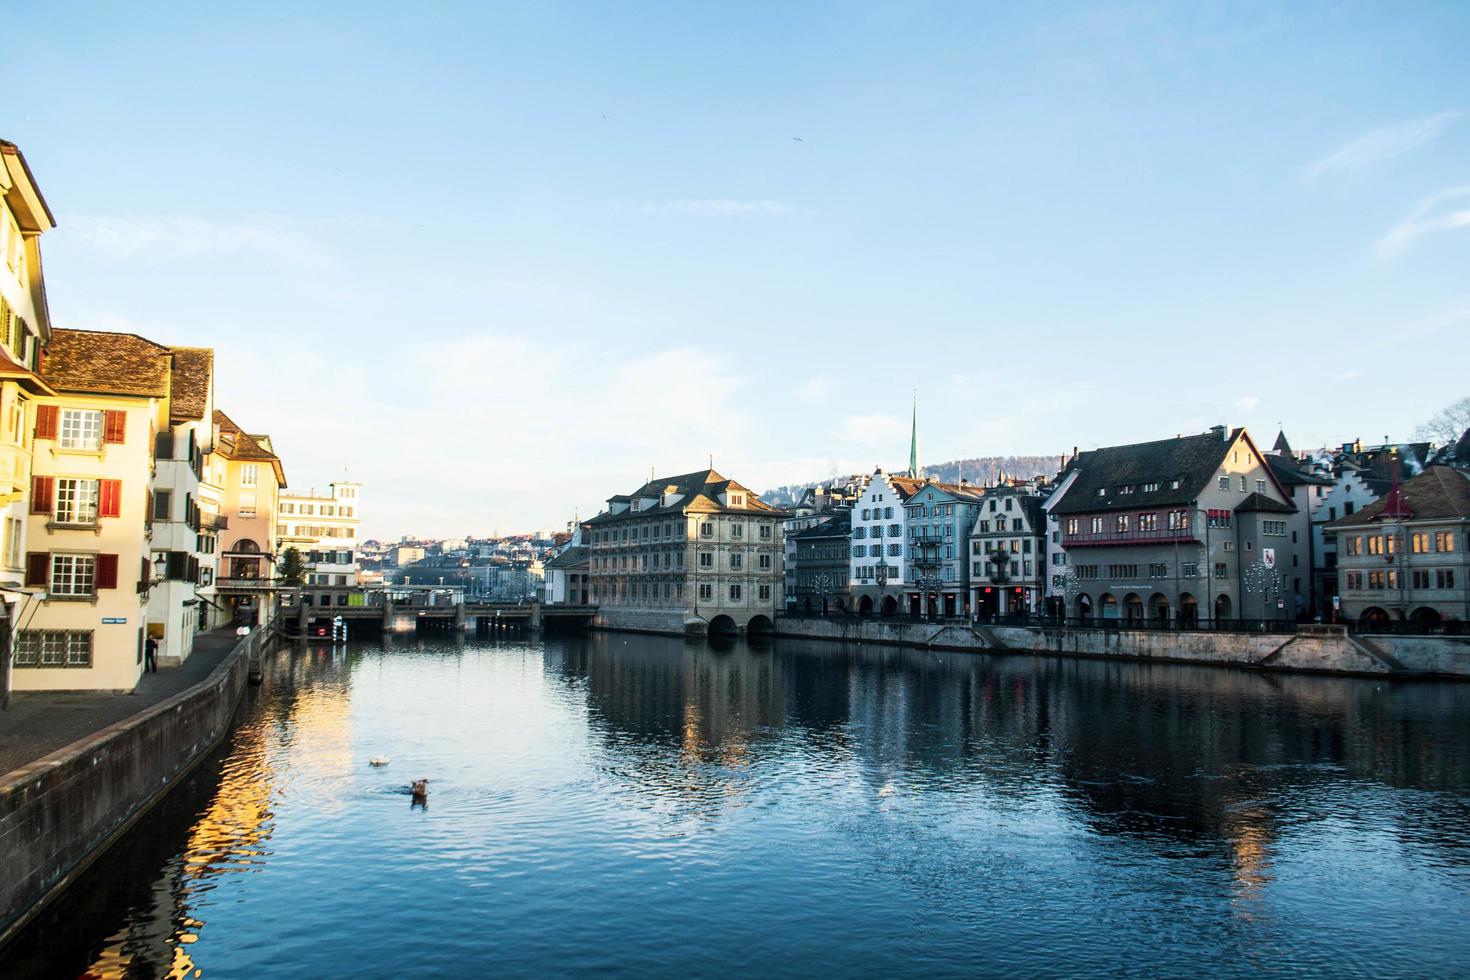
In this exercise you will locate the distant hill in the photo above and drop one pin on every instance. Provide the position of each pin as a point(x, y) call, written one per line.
point(983, 469)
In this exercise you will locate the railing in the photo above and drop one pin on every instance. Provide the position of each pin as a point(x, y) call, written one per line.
point(1064, 622)
point(213, 522)
point(1084, 539)
point(1407, 627)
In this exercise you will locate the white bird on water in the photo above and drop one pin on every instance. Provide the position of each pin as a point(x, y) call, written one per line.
point(378, 760)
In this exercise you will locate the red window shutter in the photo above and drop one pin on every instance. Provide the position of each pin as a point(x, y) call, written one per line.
point(46, 416)
point(109, 498)
point(38, 568)
point(107, 571)
point(114, 425)
point(42, 494)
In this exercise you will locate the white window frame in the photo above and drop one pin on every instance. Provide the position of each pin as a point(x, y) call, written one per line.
point(76, 501)
point(73, 576)
point(79, 429)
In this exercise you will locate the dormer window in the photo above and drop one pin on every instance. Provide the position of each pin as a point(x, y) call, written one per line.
point(737, 500)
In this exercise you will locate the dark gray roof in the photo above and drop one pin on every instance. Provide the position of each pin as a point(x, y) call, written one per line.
point(1260, 503)
point(575, 555)
point(1291, 473)
point(1188, 461)
point(837, 527)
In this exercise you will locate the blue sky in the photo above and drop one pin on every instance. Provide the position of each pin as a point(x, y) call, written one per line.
point(497, 262)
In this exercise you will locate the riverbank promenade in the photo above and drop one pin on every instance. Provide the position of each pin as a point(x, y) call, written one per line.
point(38, 723)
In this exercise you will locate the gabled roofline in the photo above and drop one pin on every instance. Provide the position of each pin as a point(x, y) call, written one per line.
point(20, 177)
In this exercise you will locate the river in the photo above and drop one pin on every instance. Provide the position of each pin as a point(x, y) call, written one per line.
point(650, 807)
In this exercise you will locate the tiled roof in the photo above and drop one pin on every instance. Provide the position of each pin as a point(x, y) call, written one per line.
point(907, 486)
point(101, 362)
point(27, 378)
point(702, 488)
point(1259, 503)
point(1437, 493)
point(1188, 461)
point(236, 442)
point(193, 367)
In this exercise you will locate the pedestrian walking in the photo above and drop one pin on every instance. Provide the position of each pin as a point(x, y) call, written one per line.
point(150, 651)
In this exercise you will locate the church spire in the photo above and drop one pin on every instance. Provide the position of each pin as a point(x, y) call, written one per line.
point(915, 470)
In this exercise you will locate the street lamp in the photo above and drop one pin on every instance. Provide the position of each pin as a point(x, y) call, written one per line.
point(160, 571)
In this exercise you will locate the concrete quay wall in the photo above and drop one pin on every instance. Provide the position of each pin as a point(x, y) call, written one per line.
point(1317, 649)
point(59, 812)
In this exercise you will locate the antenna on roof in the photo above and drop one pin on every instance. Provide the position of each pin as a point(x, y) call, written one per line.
point(711, 460)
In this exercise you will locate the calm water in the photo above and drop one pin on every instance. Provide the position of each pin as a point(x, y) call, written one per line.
point(650, 807)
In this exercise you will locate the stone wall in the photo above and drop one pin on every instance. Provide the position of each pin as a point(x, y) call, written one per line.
point(1321, 649)
point(646, 620)
point(59, 812)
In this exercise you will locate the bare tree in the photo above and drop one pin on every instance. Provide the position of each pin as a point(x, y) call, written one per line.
point(1446, 425)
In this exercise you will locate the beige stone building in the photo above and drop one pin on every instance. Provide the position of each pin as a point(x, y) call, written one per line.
point(88, 540)
point(692, 553)
point(324, 528)
point(249, 478)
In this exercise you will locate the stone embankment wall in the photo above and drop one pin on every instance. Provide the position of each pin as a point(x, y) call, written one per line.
point(58, 813)
point(645, 621)
point(1313, 648)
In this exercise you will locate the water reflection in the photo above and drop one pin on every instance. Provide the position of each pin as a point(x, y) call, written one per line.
point(881, 809)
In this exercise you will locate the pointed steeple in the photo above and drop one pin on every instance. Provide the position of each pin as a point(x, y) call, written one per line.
point(1282, 447)
point(915, 470)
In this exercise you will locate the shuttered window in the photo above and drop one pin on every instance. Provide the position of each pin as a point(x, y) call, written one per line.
point(114, 425)
point(109, 498)
point(42, 494)
point(46, 416)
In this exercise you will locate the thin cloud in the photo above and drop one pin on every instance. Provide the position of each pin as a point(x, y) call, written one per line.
point(125, 236)
point(1378, 145)
point(1445, 211)
point(718, 207)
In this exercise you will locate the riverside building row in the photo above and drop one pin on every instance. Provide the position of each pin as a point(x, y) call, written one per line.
point(132, 506)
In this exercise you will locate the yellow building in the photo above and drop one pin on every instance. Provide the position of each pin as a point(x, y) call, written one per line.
point(248, 478)
point(88, 537)
point(24, 328)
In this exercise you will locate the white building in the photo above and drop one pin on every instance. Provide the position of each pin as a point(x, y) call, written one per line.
point(879, 529)
point(324, 528)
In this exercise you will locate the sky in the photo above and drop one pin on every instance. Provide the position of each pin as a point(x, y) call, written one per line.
point(500, 261)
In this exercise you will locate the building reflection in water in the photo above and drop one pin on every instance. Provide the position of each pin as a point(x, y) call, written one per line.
point(216, 824)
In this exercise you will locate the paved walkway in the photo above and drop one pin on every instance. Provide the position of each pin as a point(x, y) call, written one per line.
point(39, 723)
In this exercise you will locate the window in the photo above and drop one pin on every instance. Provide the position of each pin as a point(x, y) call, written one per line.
point(735, 592)
point(1375, 545)
point(1444, 541)
point(1419, 542)
point(249, 474)
point(737, 560)
point(1242, 483)
point(1225, 483)
point(247, 505)
point(1419, 578)
point(162, 502)
point(76, 501)
point(73, 575)
point(1189, 569)
point(1353, 545)
point(737, 529)
point(12, 542)
point(707, 529)
point(706, 591)
point(1444, 578)
point(1355, 581)
point(765, 534)
point(706, 559)
point(1121, 523)
point(1222, 570)
point(81, 429)
point(1158, 571)
point(764, 562)
point(1148, 522)
point(1260, 486)
point(54, 648)
point(1072, 525)
point(765, 592)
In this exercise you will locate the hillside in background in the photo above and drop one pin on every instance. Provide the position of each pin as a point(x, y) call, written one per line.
point(983, 469)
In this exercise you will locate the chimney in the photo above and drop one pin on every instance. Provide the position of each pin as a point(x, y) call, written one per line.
point(1218, 430)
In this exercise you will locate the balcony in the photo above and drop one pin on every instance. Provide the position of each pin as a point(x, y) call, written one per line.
point(1093, 539)
point(213, 522)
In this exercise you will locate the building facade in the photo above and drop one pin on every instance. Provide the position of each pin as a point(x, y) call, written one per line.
point(878, 569)
point(179, 544)
point(1404, 557)
point(939, 519)
point(1008, 553)
point(249, 477)
point(323, 527)
point(1179, 530)
point(692, 553)
point(822, 562)
point(89, 554)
